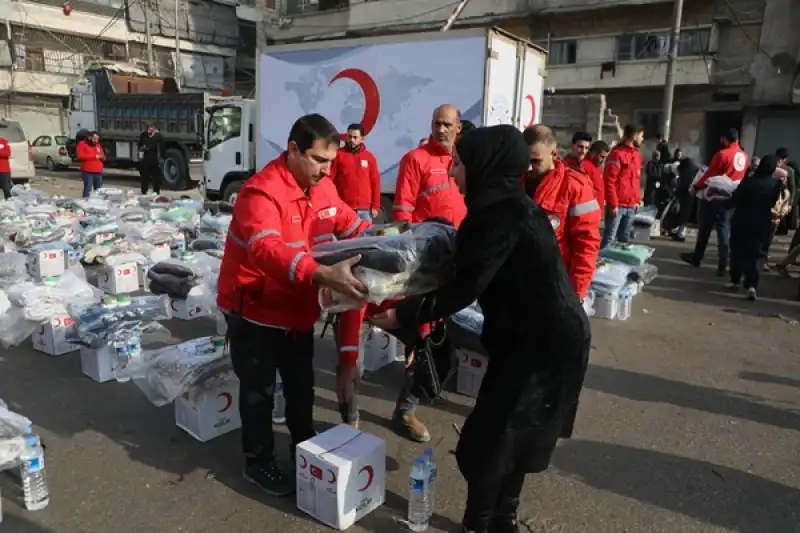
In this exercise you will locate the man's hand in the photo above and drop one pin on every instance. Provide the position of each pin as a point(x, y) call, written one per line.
point(347, 380)
point(375, 213)
point(340, 278)
point(614, 211)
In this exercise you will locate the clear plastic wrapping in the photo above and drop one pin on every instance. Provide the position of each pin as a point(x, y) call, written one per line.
point(630, 254)
point(13, 269)
point(470, 318)
point(646, 217)
point(12, 426)
point(42, 301)
point(164, 374)
point(720, 188)
point(610, 277)
point(643, 274)
point(98, 323)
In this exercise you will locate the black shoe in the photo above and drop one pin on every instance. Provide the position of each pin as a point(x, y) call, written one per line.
point(505, 519)
point(269, 478)
point(721, 272)
point(689, 258)
point(678, 238)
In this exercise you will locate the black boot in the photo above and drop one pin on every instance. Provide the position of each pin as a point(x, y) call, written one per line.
point(475, 524)
point(505, 519)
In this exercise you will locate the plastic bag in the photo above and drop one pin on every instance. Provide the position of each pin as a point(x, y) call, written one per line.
point(470, 318)
point(163, 375)
point(646, 217)
point(719, 188)
point(643, 274)
point(13, 268)
point(15, 328)
point(12, 426)
point(630, 254)
point(610, 276)
point(97, 323)
point(93, 206)
point(214, 223)
point(42, 301)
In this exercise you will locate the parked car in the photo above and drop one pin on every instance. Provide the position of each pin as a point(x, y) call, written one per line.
point(22, 169)
point(51, 151)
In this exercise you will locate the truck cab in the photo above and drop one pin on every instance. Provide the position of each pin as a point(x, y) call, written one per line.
point(229, 155)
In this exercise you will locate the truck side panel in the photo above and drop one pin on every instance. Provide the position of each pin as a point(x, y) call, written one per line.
point(391, 88)
point(532, 95)
point(503, 68)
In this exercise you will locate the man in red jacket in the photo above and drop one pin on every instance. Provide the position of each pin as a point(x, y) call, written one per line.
point(5, 167)
point(730, 161)
point(567, 196)
point(594, 168)
point(268, 289)
point(424, 187)
point(623, 185)
point(91, 156)
point(355, 173)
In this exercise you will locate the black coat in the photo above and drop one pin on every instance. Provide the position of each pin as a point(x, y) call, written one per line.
point(753, 200)
point(152, 146)
point(535, 330)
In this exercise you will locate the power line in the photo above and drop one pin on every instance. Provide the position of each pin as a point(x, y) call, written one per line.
point(739, 23)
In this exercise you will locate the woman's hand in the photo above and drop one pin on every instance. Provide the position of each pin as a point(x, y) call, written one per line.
point(386, 320)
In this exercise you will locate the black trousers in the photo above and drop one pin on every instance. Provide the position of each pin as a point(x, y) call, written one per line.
point(495, 499)
point(150, 176)
point(257, 352)
point(5, 184)
point(747, 264)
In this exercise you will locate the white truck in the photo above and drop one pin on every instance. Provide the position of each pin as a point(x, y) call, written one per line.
point(390, 85)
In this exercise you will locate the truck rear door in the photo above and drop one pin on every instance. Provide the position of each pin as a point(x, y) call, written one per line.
point(531, 95)
point(502, 74)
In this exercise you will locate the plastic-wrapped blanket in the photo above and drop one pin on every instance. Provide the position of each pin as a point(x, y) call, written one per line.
point(610, 277)
point(99, 324)
point(720, 188)
point(163, 375)
point(643, 274)
point(12, 426)
point(13, 269)
point(177, 277)
point(630, 254)
point(465, 327)
point(412, 262)
point(218, 224)
point(42, 301)
point(646, 217)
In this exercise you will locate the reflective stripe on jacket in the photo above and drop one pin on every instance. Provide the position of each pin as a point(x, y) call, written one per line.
point(266, 273)
point(595, 173)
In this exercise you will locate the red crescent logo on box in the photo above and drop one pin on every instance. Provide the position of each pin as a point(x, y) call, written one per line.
point(476, 363)
point(56, 322)
point(228, 401)
point(370, 477)
point(315, 471)
point(332, 480)
point(388, 340)
point(108, 277)
point(465, 357)
point(305, 463)
point(372, 97)
point(172, 305)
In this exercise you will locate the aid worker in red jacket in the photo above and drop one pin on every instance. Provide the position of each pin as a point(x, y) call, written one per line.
point(356, 176)
point(623, 183)
point(269, 284)
point(730, 161)
point(91, 157)
point(567, 197)
point(5, 167)
point(589, 158)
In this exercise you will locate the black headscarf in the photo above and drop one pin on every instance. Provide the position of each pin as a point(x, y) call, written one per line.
point(767, 167)
point(494, 158)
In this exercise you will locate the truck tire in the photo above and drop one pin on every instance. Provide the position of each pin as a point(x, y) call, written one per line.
point(231, 191)
point(175, 171)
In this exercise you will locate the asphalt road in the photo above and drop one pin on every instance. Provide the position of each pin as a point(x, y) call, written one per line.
point(69, 182)
point(689, 422)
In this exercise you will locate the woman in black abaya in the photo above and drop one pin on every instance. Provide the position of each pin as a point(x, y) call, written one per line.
point(535, 330)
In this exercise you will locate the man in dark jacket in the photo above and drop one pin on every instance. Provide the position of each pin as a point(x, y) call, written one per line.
point(654, 171)
point(151, 153)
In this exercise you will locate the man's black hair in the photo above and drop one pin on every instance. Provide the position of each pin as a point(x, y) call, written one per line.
point(466, 126)
point(356, 127)
point(782, 153)
point(630, 131)
point(310, 128)
point(599, 146)
point(582, 136)
point(732, 135)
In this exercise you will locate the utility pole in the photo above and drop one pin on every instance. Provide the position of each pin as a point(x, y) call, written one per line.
point(669, 82)
point(456, 13)
point(177, 43)
point(149, 37)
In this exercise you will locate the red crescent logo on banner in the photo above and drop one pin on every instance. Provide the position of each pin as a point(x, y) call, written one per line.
point(372, 97)
point(371, 476)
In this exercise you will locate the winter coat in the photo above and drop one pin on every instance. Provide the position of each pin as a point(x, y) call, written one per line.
point(535, 330)
point(357, 178)
point(753, 200)
point(152, 148)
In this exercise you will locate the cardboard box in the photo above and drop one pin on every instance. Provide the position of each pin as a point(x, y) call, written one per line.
point(100, 364)
point(341, 476)
point(72, 258)
point(194, 306)
point(51, 337)
point(209, 413)
point(48, 263)
point(606, 306)
point(101, 238)
point(144, 282)
point(161, 252)
point(120, 279)
point(655, 229)
point(471, 369)
point(380, 350)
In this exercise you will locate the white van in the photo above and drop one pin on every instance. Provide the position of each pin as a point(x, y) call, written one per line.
point(22, 169)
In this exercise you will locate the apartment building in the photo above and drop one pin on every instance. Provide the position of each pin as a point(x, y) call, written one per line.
point(45, 46)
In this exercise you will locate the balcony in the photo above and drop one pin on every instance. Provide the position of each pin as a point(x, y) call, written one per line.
point(627, 74)
point(43, 83)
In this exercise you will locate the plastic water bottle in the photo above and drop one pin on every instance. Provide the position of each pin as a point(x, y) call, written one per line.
point(121, 354)
point(134, 347)
point(279, 402)
point(433, 470)
point(418, 501)
point(34, 479)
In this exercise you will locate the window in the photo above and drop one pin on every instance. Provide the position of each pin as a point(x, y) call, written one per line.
point(61, 140)
point(563, 52)
point(34, 59)
point(75, 103)
point(650, 120)
point(11, 131)
point(38, 141)
point(225, 124)
point(656, 45)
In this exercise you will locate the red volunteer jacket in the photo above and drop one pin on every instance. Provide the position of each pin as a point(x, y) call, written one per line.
point(357, 179)
point(87, 155)
point(266, 273)
point(425, 188)
point(731, 161)
point(349, 330)
point(5, 155)
point(567, 196)
point(595, 173)
point(623, 177)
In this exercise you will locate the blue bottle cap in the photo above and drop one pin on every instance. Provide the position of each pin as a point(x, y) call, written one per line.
point(27, 431)
point(428, 451)
point(420, 460)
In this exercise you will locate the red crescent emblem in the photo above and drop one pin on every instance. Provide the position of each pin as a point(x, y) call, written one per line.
point(228, 401)
point(108, 277)
point(388, 340)
point(529, 98)
point(372, 97)
point(371, 476)
point(465, 357)
point(172, 305)
point(305, 462)
point(41, 330)
point(332, 480)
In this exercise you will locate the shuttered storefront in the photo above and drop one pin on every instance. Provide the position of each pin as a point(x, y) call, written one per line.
point(779, 130)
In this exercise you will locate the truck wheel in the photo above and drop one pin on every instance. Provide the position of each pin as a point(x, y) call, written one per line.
point(231, 192)
point(174, 170)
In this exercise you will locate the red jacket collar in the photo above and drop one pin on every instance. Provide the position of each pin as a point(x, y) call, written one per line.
point(434, 148)
point(293, 190)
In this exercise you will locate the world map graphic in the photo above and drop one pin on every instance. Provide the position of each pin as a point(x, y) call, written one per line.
point(397, 91)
